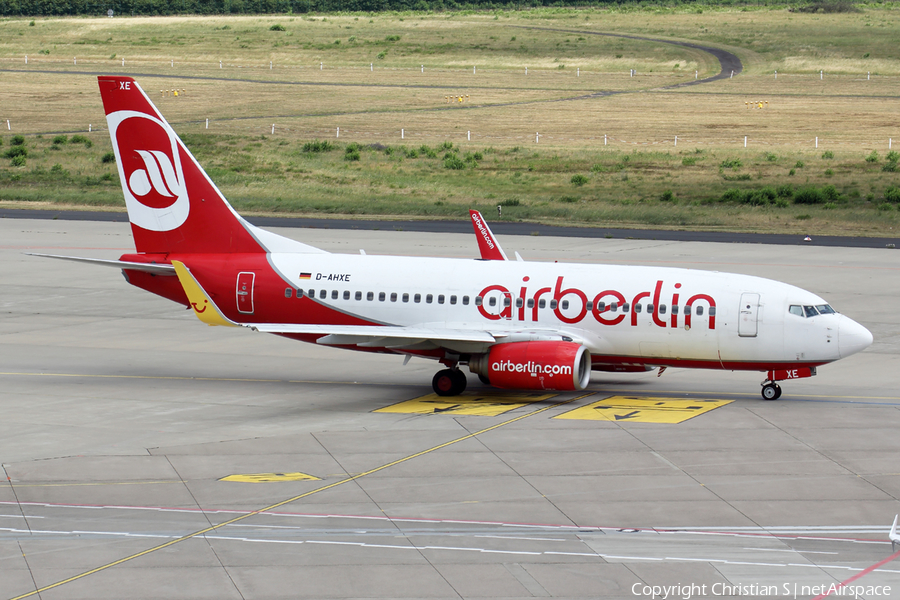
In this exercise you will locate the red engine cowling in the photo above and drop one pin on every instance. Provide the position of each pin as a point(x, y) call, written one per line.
point(540, 365)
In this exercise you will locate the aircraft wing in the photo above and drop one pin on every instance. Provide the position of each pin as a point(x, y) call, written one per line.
point(377, 335)
point(155, 268)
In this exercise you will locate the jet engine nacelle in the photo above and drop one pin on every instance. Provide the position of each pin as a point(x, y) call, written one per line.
point(543, 365)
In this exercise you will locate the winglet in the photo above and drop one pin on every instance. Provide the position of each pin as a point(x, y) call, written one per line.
point(205, 309)
point(893, 535)
point(487, 243)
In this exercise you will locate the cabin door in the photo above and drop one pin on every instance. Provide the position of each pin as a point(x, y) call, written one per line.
point(748, 315)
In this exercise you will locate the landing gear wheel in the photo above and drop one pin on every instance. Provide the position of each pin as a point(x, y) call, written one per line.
point(449, 382)
point(771, 391)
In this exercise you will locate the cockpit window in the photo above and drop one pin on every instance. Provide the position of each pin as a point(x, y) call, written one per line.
point(825, 309)
point(796, 309)
point(810, 311)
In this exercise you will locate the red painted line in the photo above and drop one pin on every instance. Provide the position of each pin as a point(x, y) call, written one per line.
point(862, 573)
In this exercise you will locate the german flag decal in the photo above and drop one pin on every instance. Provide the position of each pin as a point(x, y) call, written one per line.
point(305, 275)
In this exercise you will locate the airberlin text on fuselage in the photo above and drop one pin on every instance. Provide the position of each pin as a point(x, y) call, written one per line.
point(601, 306)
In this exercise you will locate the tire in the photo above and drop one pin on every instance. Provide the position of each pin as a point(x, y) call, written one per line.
point(777, 391)
point(443, 383)
point(770, 391)
point(460, 381)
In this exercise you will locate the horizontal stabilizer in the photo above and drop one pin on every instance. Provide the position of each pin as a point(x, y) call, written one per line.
point(205, 309)
point(155, 268)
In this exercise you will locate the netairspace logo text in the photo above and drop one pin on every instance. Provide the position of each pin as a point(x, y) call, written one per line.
point(785, 590)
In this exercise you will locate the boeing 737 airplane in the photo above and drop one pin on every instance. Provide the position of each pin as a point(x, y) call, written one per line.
point(515, 324)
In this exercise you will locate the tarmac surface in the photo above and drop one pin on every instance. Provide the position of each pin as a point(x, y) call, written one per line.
point(146, 455)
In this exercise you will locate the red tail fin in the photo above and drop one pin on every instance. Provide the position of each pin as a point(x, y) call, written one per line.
point(172, 204)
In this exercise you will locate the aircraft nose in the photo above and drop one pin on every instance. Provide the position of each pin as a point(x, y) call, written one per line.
point(852, 337)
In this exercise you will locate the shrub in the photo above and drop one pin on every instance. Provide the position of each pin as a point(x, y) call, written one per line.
point(889, 167)
point(732, 195)
point(732, 163)
point(578, 180)
point(277, 27)
point(18, 161)
point(885, 206)
point(452, 161)
point(808, 195)
point(689, 161)
point(597, 169)
point(892, 194)
point(17, 140)
point(80, 139)
point(893, 156)
point(109, 157)
point(380, 55)
point(872, 157)
point(480, 156)
point(829, 172)
point(799, 164)
point(510, 202)
point(60, 139)
point(317, 146)
point(785, 191)
point(830, 193)
point(448, 145)
point(411, 153)
point(782, 203)
point(771, 157)
point(568, 199)
point(16, 151)
point(392, 38)
point(667, 196)
point(828, 154)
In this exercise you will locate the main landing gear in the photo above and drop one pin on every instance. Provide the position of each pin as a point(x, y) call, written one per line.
point(449, 382)
point(771, 390)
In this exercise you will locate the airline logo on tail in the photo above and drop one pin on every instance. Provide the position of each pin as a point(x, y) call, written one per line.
point(151, 174)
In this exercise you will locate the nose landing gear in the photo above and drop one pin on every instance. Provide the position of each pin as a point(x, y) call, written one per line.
point(449, 382)
point(771, 390)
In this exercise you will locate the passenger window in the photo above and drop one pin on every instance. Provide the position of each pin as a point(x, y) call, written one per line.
point(478, 300)
point(649, 308)
point(674, 309)
point(381, 296)
point(452, 299)
point(507, 301)
point(810, 311)
point(417, 298)
point(824, 309)
point(370, 296)
point(530, 303)
point(299, 293)
point(662, 309)
point(393, 296)
point(542, 303)
point(519, 303)
point(465, 301)
point(311, 293)
point(429, 298)
point(346, 295)
point(613, 307)
point(406, 297)
point(288, 292)
point(359, 295)
point(334, 295)
point(601, 306)
point(588, 305)
point(323, 294)
point(440, 298)
point(712, 311)
point(796, 309)
point(637, 308)
point(565, 304)
point(625, 307)
point(699, 310)
point(553, 304)
point(492, 301)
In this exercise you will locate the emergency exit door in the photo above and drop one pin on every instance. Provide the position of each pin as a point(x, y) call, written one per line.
point(749, 315)
point(245, 292)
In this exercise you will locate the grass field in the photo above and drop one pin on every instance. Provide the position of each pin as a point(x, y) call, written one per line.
point(550, 145)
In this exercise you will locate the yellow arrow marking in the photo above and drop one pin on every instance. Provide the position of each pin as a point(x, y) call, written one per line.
point(269, 477)
point(634, 409)
point(485, 405)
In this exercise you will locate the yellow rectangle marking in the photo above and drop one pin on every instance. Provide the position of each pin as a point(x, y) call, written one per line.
point(269, 477)
point(634, 409)
point(485, 405)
